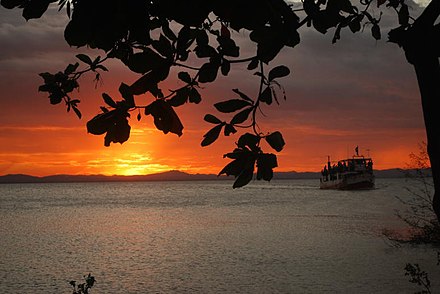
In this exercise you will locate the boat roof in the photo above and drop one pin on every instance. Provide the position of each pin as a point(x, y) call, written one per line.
point(357, 157)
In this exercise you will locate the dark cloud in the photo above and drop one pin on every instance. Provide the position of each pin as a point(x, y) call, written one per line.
point(35, 38)
point(357, 82)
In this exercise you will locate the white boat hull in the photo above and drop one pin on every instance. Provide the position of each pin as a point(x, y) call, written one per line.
point(349, 181)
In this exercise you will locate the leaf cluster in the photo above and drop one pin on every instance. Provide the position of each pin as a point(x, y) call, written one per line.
point(339, 14)
point(60, 85)
point(249, 155)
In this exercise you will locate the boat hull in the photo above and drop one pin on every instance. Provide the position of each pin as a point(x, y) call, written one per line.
point(349, 182)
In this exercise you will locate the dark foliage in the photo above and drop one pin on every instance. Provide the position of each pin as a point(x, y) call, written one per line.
point(83, 288)
point(151, 37)
point(419, 216)
point(418, 277)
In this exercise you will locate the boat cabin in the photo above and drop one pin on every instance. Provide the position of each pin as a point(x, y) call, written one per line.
point(351, 173)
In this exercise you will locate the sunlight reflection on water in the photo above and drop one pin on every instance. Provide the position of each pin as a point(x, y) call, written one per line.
point(203, 237)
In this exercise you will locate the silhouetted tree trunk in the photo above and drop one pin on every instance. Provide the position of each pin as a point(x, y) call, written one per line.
point(422, 52)
point(428, 76)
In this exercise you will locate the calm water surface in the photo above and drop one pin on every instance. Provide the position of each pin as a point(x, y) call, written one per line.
point(204, 237)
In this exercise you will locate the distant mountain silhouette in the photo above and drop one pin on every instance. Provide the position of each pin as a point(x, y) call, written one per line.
point(174, 175)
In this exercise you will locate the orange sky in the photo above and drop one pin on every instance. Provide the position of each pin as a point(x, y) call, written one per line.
point(356, 92)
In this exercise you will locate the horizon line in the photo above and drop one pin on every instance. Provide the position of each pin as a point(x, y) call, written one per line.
point(174, 170)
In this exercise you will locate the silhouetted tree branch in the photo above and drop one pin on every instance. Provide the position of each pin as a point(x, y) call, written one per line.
point(151, 37)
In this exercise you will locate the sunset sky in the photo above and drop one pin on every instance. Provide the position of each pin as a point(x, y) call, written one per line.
point(356, 92)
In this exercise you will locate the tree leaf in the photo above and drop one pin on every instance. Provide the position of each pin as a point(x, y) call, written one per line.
point(96, 61)
point(126, 93)
point(229, 129)
point(180, 97)
point(84, 58)
point(355, 24)
point(326, 19)
point(212, 119)
point(100, 66)
point(118, 132)
point(265, 164)
point(337, 35)
point(403, 15)
point(375, 31)
point(225, 67)
point(109, 100)
point(340, 5)
point(184, 76)
point(77, 112)
point(163, 46)
point(249, 140)
point(242, 167)
point(185, 38)
point(279, 72)
point(228, 47)
point(168, 32)
point(202, 37)
point(266, 96)
point(241, 117)
point(194, 96)
point(165, 118)
point(149, 81)
point(242, 95)
point(212, 135)
point(270, 42)
point(145, 61)
point(253, 64)
point(231, 105)
point(71, 68)
point(203, 51)
point(233, 168)
point(99, 124)
point(244, 177)
point(276, 141)
point(208, 72)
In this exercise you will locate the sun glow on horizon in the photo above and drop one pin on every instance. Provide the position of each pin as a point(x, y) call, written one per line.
point(128, 164)
point(127, 169)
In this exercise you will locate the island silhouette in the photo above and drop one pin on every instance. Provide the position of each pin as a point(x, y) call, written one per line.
point(174, 175)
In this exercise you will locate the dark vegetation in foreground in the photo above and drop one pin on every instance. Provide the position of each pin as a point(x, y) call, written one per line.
point(83, 288)
point(419, 216)
point(419, 276)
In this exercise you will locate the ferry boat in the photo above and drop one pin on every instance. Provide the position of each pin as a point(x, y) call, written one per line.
point(353, 173)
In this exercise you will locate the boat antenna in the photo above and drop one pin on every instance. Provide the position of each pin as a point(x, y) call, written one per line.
point(368, 152)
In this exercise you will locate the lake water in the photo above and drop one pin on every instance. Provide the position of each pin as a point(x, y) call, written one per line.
point(286, 236)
